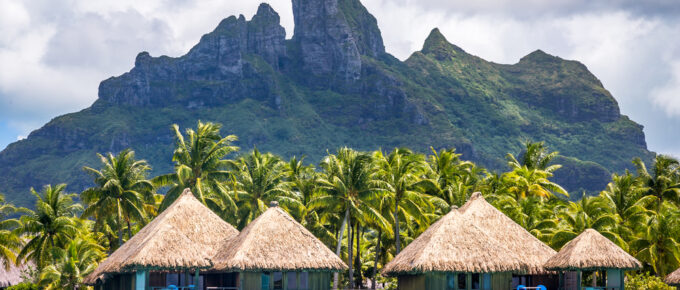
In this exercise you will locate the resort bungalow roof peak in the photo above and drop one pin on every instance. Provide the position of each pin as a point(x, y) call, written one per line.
point(453, 244)
point(274, 241)
point(183, 237)
point(502, 228)
point(591, 251)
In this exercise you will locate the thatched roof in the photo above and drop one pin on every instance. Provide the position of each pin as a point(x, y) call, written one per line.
point(673, 278)
point(13, 275)
point(592, 251)
point(184, 236)
point(454, 244)
point(502, 228)
point(274, 241)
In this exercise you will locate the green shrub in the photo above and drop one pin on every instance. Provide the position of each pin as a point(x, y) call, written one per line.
point(645, 281)
point(24, 286)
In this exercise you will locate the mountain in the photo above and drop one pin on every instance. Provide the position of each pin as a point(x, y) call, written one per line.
point(332, 84)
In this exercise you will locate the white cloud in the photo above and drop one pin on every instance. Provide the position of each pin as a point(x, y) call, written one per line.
point(667, 96)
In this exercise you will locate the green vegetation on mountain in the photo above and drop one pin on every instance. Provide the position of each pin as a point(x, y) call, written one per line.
point(333, 85)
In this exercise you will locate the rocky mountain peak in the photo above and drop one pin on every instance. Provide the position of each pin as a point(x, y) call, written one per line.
point(436, 44)
point(328, 49)
point(364, 28)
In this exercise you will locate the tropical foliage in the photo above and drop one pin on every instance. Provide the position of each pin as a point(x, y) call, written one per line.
point(367, 206)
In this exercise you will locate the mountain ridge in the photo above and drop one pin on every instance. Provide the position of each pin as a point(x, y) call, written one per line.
point(333, 84)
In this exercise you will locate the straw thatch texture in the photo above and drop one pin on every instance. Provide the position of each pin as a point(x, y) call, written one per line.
point(13, 275)
point(184, 236)
point(274, 241)
point(591, 251)
point(454, 244)
point(513, 236)
point(673, 278)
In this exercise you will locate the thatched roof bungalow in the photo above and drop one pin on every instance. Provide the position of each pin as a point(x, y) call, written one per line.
point(502, 228)
point(673, 278)
point(12, 276)
point(454, 253)
point(182, 239)
point(275, 251)
point(591, 251)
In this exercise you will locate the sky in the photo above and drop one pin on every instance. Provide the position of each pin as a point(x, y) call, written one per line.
point(54, 53)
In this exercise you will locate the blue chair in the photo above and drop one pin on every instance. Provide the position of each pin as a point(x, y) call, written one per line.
point(172, 287)
point(521, 287)
point(541, 287)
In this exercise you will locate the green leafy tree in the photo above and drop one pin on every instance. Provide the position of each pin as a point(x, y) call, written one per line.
point(522, 182)
point(348, 187)
point(664, 180)
point(121, 190)
point(10, 242)
point(50, 226)
point(591, 212)
point(258, 179)
point(71, 265)
point(200, 164)
point(534, 156)
point(658, 244)
point(400, 174)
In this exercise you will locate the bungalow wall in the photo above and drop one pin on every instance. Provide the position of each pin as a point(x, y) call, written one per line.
point(125, 281)
point(455, 281)
point(286, 280)
point(549, 281)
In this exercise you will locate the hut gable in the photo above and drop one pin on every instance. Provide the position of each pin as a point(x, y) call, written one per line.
point(453, 244)
point(673, 278)
point(591, 251)
point(274, 241)
point(500, 227)
point(184, 236)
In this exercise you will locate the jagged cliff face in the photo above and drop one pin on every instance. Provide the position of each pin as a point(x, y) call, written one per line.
point(333, 85)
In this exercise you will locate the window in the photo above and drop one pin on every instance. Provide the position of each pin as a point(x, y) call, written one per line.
point(303, 279)
point(291, 280)
point(462, 281)
point(476, 281)
point(277, 280)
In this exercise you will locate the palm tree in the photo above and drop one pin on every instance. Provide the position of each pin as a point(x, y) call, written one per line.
point(534, 214)
point(450, 179)
point(588, 213)
point(50, 226)
point(199, 163)
point(625, 197)
point(71, 264)
point(664, 181)
point(9, 240)
point(524, 181)
point(348, 186)
point(534, 156)
point(121, 190)
point(658, 244)
point(399, 173)
point(258, 179)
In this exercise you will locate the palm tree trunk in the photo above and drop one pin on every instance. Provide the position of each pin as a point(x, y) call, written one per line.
point(357, 259)
point(375, 261)
point(396, 226)
point(339, 246)
point(350, 235)
point(120, 227)
point(129, 228)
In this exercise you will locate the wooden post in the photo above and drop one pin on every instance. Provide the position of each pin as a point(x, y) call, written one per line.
point(140, 280)
point(196, 279)
point(578, 279)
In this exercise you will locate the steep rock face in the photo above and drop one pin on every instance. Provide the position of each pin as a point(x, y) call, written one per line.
point(565, 87)
point(327, 45)
point(364, 28)
point(216, 68)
